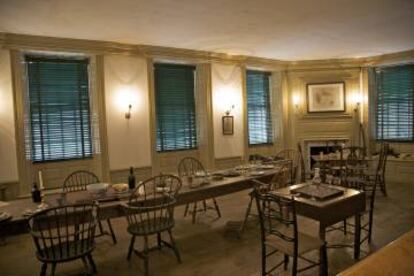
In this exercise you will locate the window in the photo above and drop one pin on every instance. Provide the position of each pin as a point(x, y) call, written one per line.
point(60, 127)
point(175, 107)
point(259, 119)
point(394, 103)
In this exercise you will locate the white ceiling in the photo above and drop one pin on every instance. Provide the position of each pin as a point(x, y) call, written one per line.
point(279, 29)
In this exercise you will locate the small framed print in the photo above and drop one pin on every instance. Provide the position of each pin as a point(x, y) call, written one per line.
point(326, 97)
point(228, 125)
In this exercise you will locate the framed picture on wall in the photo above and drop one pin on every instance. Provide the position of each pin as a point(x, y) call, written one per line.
point(228, 125)
point(326, 97)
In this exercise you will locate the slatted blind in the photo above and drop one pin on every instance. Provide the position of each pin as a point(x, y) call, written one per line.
point(175, 107)
point(395, 103)
point(258, 107)
point(59, 109)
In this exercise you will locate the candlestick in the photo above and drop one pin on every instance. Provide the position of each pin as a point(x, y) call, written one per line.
point(41, 187)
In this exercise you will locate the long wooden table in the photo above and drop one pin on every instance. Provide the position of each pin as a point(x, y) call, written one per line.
point(328, 212)
point(111, 204)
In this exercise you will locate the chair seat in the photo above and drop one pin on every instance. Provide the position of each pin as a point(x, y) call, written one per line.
point(150, 226)
point(66, 251)
point(306, 243)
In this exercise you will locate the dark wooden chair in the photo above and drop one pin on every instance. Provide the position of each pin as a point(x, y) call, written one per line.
point(367, 218)
point(77, 181)
point(279, 233)
point(290, 154)
point(355, 157)
point(354, 179)
point(379, 171)
point(190, 167)
point(150, 211)
point(279, 180)
point(64, 234)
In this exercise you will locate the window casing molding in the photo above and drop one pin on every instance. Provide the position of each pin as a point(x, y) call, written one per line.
point(391, 92)
point(54, 172)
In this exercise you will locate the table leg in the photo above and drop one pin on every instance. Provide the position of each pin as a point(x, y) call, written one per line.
point(357, 236)
point(322, 236)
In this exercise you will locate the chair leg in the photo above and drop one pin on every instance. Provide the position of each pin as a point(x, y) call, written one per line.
point(295, 266)
point(324, 261)
point(187, 206)
point(205, 205)
point(371, 218)
point(101, 231)
point(92, 263)
point(111, 231)
point(263, 259)
point(131, 248)
point(43, 269)
point(159, 240)
point(194, 212)
point(383, 187)
point(285, 262)
point(145, 254)
point(53, 269)
point(174, 246)
point(246, 216)
point(217, 207)
point(85, 263)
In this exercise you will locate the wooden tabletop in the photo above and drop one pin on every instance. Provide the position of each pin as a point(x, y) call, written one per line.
point(111, 204)
point(396, 258)
point(346, 205)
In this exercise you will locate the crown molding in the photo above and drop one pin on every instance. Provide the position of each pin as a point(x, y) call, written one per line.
point(44, 43)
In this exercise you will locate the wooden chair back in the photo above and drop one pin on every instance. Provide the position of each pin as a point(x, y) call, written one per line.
point(78, 180)
point(290, 154)
point(190, 166)
point(277, 216)
point(283, 177)
point(65, 232)
point(355, 155)
point(382, 163)
point(152, 203)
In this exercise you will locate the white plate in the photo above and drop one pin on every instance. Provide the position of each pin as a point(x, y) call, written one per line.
point(257, 173)
point(97, 188)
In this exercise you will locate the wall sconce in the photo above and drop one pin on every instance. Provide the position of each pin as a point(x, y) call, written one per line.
point(357, 101)
point(228, 111)
point(296, 101)
point(128, 113)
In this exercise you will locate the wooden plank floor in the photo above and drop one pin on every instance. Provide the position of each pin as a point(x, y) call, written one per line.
point(205, 248)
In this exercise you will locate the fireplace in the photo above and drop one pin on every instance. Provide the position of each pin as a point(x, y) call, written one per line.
point(317, 145)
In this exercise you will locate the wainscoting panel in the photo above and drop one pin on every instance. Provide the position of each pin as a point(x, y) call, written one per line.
point(227, 162)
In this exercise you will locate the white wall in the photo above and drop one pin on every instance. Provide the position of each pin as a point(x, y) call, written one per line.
point(128, 140)
point(227, 90)
point(8, 157)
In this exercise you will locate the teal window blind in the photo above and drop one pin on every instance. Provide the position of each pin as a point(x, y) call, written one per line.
point(259, 118)
point(175, 107)
point(395, 103)
point(59, 110)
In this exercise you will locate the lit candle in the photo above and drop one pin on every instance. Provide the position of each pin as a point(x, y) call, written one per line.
point(41, 187)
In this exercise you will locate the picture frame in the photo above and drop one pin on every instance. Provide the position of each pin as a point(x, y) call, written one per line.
point(325, 97)
point(228, 125)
